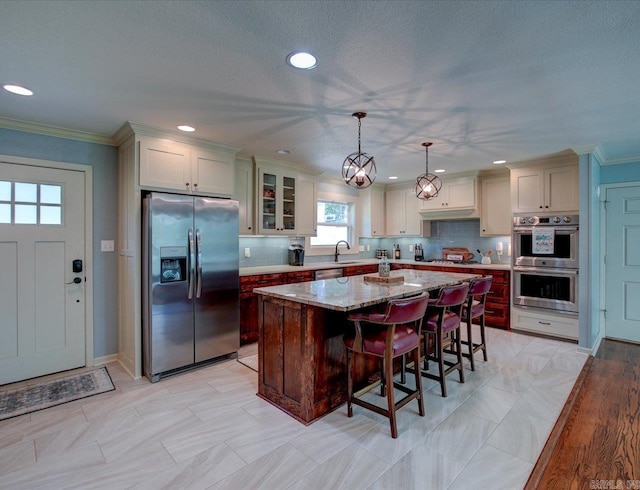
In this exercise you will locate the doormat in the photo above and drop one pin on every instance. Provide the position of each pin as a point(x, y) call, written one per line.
point(19, 401)
point(250, 361)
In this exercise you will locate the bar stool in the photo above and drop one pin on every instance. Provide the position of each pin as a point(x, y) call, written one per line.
point(443, 316)
point(475, 309)
point(402, 321)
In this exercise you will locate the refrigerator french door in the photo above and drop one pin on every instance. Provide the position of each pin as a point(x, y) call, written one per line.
point(190, 282)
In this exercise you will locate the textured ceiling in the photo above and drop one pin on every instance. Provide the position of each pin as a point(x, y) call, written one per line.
point(482, 80)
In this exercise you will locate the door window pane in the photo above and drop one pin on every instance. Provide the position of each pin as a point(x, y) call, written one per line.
point(26, 214)
point(50, 215)
point(26, 192)
point(5, 190)
point(5, 213)
point(50, 194)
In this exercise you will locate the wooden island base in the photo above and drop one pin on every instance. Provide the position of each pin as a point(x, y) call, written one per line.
point(303, 359)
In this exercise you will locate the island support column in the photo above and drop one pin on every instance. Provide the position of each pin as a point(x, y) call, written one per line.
point(302, 367)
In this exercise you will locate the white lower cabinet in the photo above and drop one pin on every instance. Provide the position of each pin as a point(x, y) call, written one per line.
point(538, 321)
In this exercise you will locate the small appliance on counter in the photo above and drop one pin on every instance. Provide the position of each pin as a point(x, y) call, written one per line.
point(418, 253)
point(296, 254)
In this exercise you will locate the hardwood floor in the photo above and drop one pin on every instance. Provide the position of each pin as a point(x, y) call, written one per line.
point(207, 429)
point(596, 441)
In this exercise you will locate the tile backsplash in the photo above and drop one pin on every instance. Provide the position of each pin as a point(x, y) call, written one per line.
point(454, 233)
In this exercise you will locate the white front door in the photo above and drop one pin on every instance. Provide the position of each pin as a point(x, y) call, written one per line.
point(42, 320)
point(622, 276)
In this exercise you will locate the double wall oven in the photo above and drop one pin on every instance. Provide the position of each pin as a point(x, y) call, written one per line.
point(545, 262)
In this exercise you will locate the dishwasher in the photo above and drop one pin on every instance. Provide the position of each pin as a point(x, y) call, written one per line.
point(328, 273)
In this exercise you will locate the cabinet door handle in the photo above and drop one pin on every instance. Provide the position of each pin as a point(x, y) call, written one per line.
point(544, 323)
point(491, 312)
point(195, 185)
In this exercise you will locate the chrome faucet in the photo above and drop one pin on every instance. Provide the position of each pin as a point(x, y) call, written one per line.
point(338, 253)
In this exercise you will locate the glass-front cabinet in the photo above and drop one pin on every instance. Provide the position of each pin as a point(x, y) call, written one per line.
point(276, 202)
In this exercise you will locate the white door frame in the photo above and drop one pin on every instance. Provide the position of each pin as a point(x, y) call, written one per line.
point(88, 236)
point(604, 188)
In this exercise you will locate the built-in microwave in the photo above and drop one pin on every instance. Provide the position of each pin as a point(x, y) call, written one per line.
point(560, 249)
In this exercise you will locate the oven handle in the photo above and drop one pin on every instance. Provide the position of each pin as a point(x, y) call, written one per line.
point(546, 271)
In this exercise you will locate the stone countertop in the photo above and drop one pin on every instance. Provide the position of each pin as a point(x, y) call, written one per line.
point(274, 269)
point(351, 293)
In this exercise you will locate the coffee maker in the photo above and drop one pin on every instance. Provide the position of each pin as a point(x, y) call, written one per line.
point(296, 254)
point(418, 253)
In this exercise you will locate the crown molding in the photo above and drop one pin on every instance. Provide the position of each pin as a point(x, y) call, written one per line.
point(44, 129)
point(132, 128)
point(621, 160)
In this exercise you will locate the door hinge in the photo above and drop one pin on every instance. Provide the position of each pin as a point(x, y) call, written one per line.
point(604, 312)
point(605, 259)
point(605, 204)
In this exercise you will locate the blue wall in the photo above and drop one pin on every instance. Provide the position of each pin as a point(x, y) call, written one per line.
point(626, 172)
point(104, 160)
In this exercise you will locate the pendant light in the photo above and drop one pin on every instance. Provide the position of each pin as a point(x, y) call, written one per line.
point(427, 185)
point(359, 169)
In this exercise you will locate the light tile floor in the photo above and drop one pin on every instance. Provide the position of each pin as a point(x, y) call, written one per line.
point(207, 429)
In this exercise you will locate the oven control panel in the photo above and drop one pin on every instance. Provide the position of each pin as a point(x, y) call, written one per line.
point(545, 220)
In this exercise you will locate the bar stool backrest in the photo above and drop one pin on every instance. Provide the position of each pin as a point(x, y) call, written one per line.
point(478, 287)
point(406, 310)
point(452, 296)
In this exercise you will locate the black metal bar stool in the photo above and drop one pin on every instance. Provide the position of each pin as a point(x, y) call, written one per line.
point(443, 316)
point(402, 320)
point(474, 309)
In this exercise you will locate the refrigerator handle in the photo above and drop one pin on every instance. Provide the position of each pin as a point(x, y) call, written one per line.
point(198, 263)
point(192, 263)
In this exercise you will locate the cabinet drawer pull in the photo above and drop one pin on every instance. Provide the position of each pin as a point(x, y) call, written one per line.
point(491, 312)
point(544, 323)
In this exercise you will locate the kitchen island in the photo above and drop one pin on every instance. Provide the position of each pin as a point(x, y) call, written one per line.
point(302, 359)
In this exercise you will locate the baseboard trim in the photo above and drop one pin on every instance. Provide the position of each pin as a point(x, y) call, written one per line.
point(98, 361)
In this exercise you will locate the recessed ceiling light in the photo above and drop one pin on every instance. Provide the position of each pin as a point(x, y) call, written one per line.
point(498, 162)
point(187, 129)
point(283, 152)
point(18, 90)
point(393, 177)
point(440, 171)
point(302, 60)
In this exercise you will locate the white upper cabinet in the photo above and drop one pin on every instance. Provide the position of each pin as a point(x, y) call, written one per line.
point(244, 195)
point(495, 218)
point(169, 165)
point(372, 212)
point(286, 202)
point(164, 164)
point(458, 195)
point(545, 189)
point(402, 217)
point(212, 172)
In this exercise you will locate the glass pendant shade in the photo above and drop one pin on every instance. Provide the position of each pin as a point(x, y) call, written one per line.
point(359, 169)
point(427, 185)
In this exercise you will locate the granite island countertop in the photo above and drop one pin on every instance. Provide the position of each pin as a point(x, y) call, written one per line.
point(351, 293)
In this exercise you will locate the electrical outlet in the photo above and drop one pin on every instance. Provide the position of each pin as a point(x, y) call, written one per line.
point(360, 248)
point(368, 248)
point(410, 248)
point(247, 252)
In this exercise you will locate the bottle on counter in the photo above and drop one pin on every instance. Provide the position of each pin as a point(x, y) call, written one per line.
point(396, 251)
point(384, 268)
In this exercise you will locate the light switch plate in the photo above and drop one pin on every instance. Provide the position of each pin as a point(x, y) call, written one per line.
point(247, 252)
point(107, 246)
point(410, 248)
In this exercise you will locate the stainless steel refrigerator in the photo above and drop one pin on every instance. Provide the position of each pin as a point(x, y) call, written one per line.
point(190, 282)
